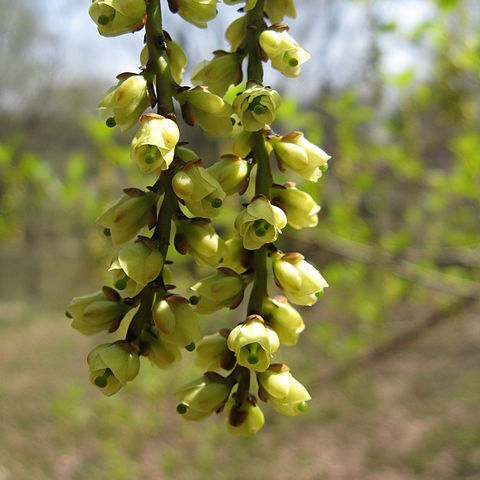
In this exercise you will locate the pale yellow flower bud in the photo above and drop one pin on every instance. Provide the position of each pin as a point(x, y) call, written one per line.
point(223, 289)
point(253, 343)
point(212, 353)
point(176, 321)
point(260, 223)
point(295, 152)
point(139, 264)
point(197, 237)
point(177, 60)
point(286, 394)
point(112, 366)
point(231, 172)
point(124, 104)
point(199, 190)
point(236, 258)
point(235, 33)
point(128, 215)
point(285, 53)
point(202, 107)
point(249, 4)
point(301, 282)
point(218, 74)
point(242, 144)
point(153, 147)
point(278, 9)
point(203, 396)
point(284, 319)
point(93, 313)
point(300, 208)
point(256, 107)
point(198, 12)
point(245, 420)
point(162, 354)
point(115, 17)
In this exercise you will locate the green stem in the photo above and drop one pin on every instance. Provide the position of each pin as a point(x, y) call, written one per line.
point(157, 58)
point(255, 26)
point(263, 180)
point(143, 316)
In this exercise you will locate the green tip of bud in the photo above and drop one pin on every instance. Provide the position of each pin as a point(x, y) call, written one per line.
point(217, 203)
point(194, 300)
point(260, 232)
point(293, 62)
point(121, 284)
point(324, 168)
point(103, 20)
point(319, 294)
point(67, 314)
point(110, 122)
point(302, 406)
point(107, 232)
point(149, 159)
point(182, 408)
point(259, 110)
point(253, 358)
point(190, 347)
point(101, 382)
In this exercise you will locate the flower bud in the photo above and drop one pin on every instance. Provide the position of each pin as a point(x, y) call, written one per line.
point(276, 10)
point(176, 321)
point(242, 144)
point(212, 353)
point(231, 172)
point(177, 60)
point(245, 420)
point(223, 289)
point(256, 107)
point(218, 74)
point(300, 208)
point(295, 152)
point(284, 52)
point(154, 144)
point(128, 215)
point(125, 103)
point(301, 282)
point(260, 223)
point(114, 17)
point(93, 313)
point(162, 354)
point(111, 367)
point(198, 12)
point(236, 258)
point(139, 264)
point(198, 238)
point(284, 319)
point(200, 398)
point(207, 110)
point(286, 394)
point(253, 343)
point(235, 33)
point(201, 193)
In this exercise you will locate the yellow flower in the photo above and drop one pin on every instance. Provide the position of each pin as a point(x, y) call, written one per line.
point(114, 17)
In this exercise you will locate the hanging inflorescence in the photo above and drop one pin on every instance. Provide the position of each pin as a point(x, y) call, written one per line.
point(186, 195)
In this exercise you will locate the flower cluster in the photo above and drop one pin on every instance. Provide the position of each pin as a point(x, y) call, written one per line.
point(179, 208)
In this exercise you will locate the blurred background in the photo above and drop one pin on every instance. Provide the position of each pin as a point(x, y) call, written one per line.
point(391, 353)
